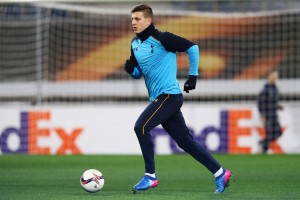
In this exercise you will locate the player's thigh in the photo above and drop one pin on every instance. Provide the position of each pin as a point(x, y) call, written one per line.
point(277, 129)
point(273, 129)
point(159, 111)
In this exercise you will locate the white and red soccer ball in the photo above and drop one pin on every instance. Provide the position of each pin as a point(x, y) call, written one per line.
point(92, 180)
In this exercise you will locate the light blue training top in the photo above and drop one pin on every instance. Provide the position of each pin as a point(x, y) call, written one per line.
point(154, 54)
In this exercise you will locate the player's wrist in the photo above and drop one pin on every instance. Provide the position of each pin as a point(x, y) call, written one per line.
point(193, 77)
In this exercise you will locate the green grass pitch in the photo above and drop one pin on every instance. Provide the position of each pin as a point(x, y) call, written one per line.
point(180, 177)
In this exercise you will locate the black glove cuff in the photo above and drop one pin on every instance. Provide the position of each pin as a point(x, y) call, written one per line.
point(193, 77)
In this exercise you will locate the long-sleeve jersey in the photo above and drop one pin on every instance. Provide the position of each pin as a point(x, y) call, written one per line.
point(154, 54)
point(268, 100)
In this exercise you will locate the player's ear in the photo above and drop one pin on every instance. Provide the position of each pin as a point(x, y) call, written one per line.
point(148, 21)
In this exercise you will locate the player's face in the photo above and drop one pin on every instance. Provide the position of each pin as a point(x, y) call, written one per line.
point(273, 77)
point(139, 22)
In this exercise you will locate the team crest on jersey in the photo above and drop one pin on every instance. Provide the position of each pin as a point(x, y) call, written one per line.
point(152, 46)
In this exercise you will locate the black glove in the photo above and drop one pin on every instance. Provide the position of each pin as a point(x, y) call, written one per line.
point(129, 66)
point(190, 84)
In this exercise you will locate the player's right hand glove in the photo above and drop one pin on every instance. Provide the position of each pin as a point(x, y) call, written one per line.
point(129, 66)
point(190, 84)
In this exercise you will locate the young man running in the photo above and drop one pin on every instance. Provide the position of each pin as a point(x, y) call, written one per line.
point(153, 56)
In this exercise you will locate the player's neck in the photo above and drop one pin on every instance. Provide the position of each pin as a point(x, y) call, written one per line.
point(146, 33)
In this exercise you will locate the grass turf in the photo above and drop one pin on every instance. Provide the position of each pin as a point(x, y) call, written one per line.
point(180, 177)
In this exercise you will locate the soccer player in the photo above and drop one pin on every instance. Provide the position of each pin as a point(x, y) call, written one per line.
point(153, 56)
point(268, 104)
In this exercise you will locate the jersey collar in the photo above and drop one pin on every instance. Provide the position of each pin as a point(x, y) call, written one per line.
point(146, 33)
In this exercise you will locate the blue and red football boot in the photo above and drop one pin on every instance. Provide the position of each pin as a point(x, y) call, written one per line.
point(145, 183)
point(222, 181)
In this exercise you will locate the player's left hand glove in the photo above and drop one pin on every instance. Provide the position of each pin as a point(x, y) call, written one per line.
point(190, 84)
point(129, 66)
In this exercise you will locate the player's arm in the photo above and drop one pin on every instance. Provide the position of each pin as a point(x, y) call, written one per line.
point(131, 67)
point(176, 43)
point(262, 103)
point(136, 74)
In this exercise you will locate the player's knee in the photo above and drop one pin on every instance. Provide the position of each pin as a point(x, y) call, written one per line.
point(186, 145)
point(138, 128)
point(141, 129)
point(182, 144)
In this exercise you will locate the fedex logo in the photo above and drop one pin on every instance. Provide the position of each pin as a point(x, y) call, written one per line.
point(229, 132)
point(29, 133)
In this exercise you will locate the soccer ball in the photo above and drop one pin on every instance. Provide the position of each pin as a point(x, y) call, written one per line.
point(92, 180)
